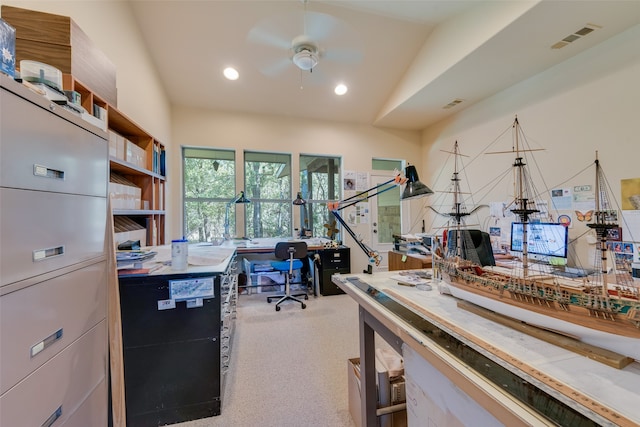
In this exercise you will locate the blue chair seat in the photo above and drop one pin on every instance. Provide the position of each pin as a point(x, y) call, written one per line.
point(290, 256)
point(284, 265)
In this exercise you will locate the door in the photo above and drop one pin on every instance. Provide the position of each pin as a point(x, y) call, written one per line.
point(385, 219)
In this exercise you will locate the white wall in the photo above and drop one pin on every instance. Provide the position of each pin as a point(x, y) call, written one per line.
point(356, 144)
point(586, 104)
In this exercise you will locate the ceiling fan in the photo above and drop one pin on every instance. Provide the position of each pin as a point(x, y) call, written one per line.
point(304, 41)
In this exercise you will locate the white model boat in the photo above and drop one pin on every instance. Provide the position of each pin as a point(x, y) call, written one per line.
point(601, 309)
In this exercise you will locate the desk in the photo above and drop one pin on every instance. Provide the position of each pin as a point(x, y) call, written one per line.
point(263, 248)
point(268, 244)
point(514, 377)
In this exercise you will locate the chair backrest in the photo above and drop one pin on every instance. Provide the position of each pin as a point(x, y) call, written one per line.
point(284, 249)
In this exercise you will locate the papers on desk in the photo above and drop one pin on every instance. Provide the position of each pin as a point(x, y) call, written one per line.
point(125, 258)
point(418, 278)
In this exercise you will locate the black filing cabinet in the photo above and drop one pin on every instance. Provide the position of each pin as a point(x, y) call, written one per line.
point(171, 355)
point(332, 261)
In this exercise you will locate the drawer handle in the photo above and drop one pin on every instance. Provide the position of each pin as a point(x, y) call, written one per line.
point(43, 171)
point(40, 254)
point(52, 419)
point(37, 348)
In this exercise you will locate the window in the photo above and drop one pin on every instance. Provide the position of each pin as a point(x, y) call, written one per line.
point(319, 184)
point(386, 165)
point(267, 180)
point(388, 206)
point(209, 184)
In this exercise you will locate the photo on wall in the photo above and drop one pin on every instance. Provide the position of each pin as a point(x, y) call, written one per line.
point(630, 194)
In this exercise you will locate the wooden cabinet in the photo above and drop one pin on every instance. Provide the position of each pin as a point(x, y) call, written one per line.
point(404, 261)
point(137, 169)
point(53, 274)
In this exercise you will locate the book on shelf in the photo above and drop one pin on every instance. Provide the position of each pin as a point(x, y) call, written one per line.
point(162, 163)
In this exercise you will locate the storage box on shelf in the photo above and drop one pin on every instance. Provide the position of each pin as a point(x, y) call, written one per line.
point(137, 159)
point(126, 229)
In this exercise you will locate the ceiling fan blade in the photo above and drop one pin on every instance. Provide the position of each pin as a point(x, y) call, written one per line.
point(319, 26)
point(270, 37)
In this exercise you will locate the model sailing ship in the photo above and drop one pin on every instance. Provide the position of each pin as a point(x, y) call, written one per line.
point(596, 309)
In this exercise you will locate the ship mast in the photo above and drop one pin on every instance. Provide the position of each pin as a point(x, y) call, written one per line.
point(458, 210)
point(602, 225)
point(523, 204)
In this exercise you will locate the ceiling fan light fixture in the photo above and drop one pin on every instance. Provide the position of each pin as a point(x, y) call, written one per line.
point(305, 59)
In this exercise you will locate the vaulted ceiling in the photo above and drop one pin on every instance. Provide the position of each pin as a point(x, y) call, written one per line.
point(407, 64)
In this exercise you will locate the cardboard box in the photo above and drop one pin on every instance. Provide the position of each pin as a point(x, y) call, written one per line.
point(116, 145)
point(135, 154)
point(7, 48)
point(125, 196)
point(396, 419)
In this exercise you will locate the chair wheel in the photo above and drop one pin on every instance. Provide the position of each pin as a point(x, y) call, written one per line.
point(304, 306)
point(268, 300)
point(306, 297)
point(277, 308)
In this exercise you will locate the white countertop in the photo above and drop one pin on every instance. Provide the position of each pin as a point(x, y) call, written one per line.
point(618, 389)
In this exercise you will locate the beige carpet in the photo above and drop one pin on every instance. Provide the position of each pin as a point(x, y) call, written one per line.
point(289, 368)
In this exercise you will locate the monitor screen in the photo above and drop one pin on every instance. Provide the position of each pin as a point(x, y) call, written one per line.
point(546, 239)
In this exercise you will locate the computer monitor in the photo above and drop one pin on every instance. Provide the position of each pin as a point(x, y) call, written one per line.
point(544, 239)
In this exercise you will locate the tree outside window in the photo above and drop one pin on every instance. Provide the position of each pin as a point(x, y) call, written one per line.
point(268, 186)
point(209, 184)
point(319, 184)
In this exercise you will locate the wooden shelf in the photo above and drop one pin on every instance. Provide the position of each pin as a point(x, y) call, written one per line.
point(137, 159)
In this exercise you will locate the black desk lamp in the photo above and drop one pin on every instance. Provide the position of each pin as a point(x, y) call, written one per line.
point(414, 189)
point(299, 201)
point(240, 198)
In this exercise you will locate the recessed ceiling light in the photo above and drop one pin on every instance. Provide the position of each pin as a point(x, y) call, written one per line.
point(231, 73)
point(341, 89)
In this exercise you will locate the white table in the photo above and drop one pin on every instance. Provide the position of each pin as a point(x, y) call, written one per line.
point(592, 390)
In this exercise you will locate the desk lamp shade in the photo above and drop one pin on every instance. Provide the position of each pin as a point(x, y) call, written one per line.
point(414, 187)
point(241, 198)
point(299, 200)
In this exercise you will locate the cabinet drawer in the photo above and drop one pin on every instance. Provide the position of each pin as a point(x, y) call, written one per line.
point(39, 321)
point(56, 390)
point(46, 231)
point(42, 151)
point(93, 411)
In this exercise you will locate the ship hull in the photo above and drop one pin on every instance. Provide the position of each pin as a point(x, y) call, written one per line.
point(614, 335)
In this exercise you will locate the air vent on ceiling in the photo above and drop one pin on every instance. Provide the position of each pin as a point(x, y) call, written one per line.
point(589, 28)
point(452, 103)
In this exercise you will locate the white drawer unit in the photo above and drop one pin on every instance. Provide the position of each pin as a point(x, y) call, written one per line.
point(92, 406)
point(49, 395)
point(53, 268)
point(39, 159)
point(40, 320)
point(49, 231)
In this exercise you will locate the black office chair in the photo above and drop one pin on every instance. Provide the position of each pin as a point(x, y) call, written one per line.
point(291, 255)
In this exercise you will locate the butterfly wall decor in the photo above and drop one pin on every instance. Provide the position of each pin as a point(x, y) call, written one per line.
point(584, 217)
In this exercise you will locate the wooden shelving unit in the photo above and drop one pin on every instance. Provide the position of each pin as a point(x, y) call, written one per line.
point(148, 175)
